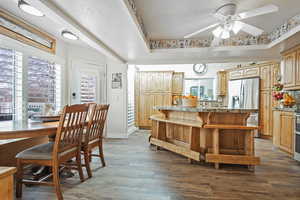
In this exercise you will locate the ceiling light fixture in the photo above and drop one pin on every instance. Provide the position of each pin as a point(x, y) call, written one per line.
point(69, 35)
point(218, 31)
point(237, 26)
point(29, 9)
point(225, 34)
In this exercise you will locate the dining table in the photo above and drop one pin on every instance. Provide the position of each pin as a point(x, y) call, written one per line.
point(16, 136)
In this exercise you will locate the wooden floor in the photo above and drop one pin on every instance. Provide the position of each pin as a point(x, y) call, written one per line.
point(137, 172)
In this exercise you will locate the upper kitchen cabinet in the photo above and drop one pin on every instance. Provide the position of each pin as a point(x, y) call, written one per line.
point(265, 75)
point(291, 69)
point(177, 83)
point(222, 83)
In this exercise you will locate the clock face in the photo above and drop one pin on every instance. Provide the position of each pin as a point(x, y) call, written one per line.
point(200, 68)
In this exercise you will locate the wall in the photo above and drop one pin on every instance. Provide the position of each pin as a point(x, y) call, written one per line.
point(213, 68)
point(117, 98)
point(69, 54)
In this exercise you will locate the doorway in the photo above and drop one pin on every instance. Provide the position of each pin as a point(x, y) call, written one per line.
point(88, 83)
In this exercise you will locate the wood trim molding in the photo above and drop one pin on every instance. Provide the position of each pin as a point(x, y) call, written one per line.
point(22, 38)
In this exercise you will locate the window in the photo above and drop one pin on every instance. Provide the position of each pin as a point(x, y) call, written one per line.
point(204, 89)
point(88, 85)
point(43, 85)
point(10, 84)
point(40, 83)
point(131, 110)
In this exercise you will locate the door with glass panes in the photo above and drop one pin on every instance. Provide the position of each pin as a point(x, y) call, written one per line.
point(88, 84)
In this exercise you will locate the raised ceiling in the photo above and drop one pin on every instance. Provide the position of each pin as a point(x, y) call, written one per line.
point(110, 24)
point(173, 19)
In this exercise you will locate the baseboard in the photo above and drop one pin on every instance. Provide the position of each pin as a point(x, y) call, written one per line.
point(266, 137)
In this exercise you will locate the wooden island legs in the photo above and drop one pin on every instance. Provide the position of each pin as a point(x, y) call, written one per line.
point(216, 146)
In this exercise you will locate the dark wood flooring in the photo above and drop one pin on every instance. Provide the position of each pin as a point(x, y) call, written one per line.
point(135, 171)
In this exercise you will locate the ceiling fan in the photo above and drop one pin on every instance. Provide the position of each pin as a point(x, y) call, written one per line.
point(230, 21)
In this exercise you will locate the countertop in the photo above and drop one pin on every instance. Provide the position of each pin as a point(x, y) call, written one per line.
point(285, 109)
point(204, 109)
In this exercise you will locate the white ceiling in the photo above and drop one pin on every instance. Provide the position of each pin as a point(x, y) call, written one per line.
point(110, 23)
point(173, 19)
point(45, 23)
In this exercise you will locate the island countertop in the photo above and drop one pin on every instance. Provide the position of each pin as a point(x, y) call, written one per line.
point(204, 109)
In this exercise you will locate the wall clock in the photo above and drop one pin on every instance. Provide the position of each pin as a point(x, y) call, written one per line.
point(200, 68)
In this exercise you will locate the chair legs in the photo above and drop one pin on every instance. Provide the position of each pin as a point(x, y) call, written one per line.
point(56, 182)
point(79, 166)
point(87, 155)
point(19, 179)
point(101, 153)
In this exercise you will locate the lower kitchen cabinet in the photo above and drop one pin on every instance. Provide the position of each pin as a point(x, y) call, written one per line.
point(283, 130)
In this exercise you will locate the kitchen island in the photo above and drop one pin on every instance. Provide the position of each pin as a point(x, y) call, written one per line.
point(215, 135)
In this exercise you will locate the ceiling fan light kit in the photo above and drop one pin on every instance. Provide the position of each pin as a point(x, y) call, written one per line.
point(230, 21)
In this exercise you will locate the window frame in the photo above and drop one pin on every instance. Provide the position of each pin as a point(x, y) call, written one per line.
point(28, 51)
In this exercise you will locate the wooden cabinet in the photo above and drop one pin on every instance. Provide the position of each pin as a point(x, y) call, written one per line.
point(287, 122)
point(276, 127)
point(289, 62)
point(251, 72)
point(236, 74)
point(154, 89)
point(7, 183)
point(265, 113)
point(265, 76)
point(283, 130)
point(275, 74)
point(222, 83)
point(297, 69)
point(177, 83)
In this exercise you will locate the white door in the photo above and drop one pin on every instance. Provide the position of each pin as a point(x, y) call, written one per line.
point(88, 84)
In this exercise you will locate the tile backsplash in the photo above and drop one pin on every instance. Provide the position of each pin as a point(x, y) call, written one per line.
point(296, 95)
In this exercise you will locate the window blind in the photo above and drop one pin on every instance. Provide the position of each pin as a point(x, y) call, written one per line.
point(88, 84)
point(44, 79)
point(10, 85)
point(130, 106)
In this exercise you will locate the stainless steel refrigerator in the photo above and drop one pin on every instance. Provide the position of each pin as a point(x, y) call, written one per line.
point(244, 94)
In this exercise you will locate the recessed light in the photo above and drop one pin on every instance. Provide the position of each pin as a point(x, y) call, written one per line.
point(29, 9)
point(69, 35)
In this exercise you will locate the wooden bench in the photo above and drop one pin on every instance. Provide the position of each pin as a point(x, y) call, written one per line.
point(249, 153)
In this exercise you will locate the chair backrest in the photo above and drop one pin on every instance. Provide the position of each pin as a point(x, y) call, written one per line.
point(70, 129)
point(96, 123)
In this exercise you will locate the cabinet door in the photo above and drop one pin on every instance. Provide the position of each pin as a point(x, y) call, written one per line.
point(222, 83)
point(251, 72)
point(297, 69)
point(276, 127)
point(275, 74)
point(289, 62)
point(177, 83)
point(265, 75)
point(265, 113)
point(287, 123)
point(236, 74)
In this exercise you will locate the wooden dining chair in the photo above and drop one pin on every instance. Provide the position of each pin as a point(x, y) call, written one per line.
point(94, 136)
point(67, 145)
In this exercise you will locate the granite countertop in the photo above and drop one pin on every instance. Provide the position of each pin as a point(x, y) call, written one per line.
point(285, 109)
point(204, 109)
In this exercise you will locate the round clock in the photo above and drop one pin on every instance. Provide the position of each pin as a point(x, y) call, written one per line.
point(200, 69)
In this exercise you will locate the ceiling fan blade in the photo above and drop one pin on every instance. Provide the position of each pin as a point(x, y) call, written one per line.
point(201, 30)
point(258, 11)
point(252, 30)
point(215, 42)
